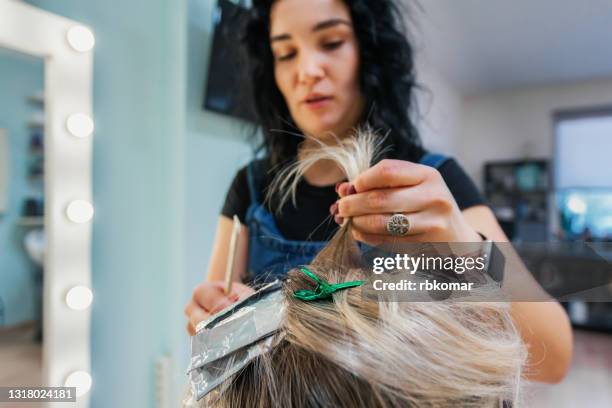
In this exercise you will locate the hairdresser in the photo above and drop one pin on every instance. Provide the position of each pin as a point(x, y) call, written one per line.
point(323, 68)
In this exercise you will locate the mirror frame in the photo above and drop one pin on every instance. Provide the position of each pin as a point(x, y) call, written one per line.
point(68, 90)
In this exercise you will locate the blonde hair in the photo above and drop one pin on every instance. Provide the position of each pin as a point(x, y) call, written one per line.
point(356, 351)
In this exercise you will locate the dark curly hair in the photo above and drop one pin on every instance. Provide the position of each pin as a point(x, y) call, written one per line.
point(386, 75)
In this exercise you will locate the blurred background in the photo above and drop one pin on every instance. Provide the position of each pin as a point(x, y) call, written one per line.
point(519, 92)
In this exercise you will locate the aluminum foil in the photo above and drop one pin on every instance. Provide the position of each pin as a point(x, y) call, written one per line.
point(230, 339)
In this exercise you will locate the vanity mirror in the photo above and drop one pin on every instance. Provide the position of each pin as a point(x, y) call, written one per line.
point(46, 131)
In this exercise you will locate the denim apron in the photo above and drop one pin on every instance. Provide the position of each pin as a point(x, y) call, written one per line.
point(271, 256)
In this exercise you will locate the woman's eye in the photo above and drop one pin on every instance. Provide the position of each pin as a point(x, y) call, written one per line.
point(286, 56)
point(332, 45)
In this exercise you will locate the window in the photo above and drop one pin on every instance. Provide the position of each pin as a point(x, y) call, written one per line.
point(583, 174)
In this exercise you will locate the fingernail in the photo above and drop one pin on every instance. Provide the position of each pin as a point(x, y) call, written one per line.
point(338, 185)
point(351, 190)
point(339, 220)
point(333, 209)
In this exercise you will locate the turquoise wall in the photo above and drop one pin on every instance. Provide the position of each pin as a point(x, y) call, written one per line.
point(20, 77)
point(139, 110)
point(162, 167)
point(216, 147)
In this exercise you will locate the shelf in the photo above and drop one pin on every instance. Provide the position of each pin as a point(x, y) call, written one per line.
point(542, 161)
point(32, 221)
point(517, 192)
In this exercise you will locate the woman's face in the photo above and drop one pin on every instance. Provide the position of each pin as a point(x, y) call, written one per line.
point(316, 64)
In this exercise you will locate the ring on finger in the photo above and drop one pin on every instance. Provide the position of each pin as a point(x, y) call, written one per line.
point(398, 225)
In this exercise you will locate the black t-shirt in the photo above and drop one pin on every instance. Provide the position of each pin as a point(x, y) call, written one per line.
point(310, 220)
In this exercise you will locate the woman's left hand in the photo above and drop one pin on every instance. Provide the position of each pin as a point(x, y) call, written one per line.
point(397, 186)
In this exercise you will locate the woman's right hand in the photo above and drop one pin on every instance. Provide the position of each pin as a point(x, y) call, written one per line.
point(209, 298)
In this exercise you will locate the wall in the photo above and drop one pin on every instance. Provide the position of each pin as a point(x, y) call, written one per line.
point(162, 166)
point(439, 107)
point(20, 77)
point(518, 123)
point(4, 170)
point(139, 109)
point(216, 146)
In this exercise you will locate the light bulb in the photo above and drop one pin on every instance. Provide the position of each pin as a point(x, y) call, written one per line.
point(79, 298)
point(81, 380)
point(80, 125)
point(79, 211)
point(81, 38)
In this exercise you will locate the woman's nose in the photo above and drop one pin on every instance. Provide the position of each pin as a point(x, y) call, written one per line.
point(310, 69)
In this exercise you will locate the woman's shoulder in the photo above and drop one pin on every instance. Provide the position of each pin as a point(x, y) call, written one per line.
point(459, 183)
point(426, 157)
point(237, 199)
point(248, 183)
point(255, 171)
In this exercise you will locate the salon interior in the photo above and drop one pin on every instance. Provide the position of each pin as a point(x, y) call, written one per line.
point(120, 134)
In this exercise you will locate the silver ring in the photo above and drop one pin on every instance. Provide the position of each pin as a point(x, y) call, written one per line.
point(398, 225)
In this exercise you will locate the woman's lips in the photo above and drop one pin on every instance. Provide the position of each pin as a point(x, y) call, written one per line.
point(318, 102)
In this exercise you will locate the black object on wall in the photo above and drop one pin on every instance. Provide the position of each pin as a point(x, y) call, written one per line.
point(227, 89)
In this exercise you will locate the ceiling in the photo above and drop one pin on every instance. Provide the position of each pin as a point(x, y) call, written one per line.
point(484, 45)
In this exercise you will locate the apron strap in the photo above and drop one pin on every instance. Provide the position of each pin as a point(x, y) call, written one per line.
point(256, 174)
point(434, 160)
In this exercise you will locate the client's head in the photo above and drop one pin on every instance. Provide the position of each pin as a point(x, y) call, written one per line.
point(353, 351)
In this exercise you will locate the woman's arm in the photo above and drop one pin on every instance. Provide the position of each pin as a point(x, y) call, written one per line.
point(544, 326)
point(209, 296)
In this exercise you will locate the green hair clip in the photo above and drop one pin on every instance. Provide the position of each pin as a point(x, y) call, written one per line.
point(323, 290)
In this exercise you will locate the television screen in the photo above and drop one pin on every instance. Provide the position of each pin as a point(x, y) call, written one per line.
point(227, 91)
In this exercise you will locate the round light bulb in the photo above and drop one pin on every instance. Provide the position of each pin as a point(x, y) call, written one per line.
point(79, 211)
point(79, 298)
point(81, 38)
point(81, 380)
point(80, 125)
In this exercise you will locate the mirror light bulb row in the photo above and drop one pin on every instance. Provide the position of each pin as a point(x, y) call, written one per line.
point(80, 125)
